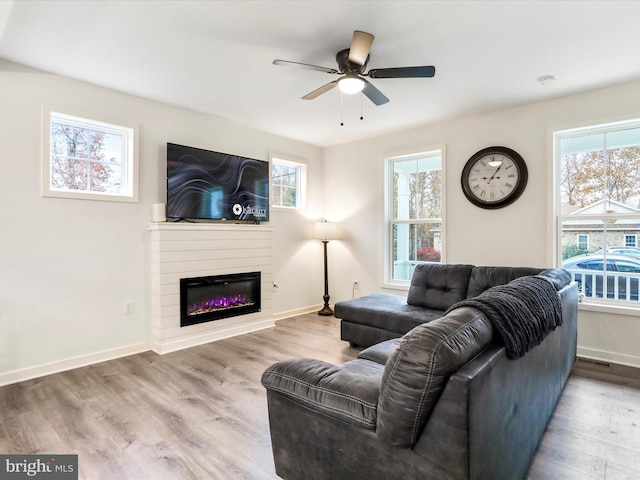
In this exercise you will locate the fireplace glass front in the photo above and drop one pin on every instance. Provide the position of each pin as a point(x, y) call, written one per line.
point(204, 299)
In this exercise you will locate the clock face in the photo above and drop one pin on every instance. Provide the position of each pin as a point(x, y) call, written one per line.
point(494, 177)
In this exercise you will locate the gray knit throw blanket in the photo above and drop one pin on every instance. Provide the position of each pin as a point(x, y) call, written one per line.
point(523, 311)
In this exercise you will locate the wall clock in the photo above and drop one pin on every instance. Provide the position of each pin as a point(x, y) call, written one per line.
point(494, 177)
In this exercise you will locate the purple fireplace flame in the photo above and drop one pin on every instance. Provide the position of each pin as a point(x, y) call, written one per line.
point(216, 304)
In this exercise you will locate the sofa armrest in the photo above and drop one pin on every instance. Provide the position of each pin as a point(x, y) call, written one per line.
point(347, 392)
point(380, 352)
point(558, 277)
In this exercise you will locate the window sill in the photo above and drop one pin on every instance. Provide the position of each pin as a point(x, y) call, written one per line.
point(629, 310)
point(396, 286)
point(280, 208)
point(81, 195)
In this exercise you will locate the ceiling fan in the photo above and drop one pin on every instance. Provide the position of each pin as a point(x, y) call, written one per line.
point(351, 65)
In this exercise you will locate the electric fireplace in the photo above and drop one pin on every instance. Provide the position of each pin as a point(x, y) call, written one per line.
point(204, 299)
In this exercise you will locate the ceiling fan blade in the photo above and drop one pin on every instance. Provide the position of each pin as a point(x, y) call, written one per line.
point(373, 94)
point(360, 46)
point(319, 91)
point(402, 72)
point(286, 63)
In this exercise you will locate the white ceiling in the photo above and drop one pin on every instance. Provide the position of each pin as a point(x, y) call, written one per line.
point(216, 56)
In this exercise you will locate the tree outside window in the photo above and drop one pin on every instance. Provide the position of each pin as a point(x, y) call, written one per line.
point(414, 193)
point(87, 158)
point(79, 159)
point(288, 181)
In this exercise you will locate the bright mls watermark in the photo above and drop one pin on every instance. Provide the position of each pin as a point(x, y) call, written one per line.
point(49, 467)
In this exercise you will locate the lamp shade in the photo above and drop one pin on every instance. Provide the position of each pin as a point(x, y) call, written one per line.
point(326, 231)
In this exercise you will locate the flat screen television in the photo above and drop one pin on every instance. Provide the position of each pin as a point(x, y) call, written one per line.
point(202, 184)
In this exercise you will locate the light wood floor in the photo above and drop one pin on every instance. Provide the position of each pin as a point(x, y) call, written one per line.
point(201, 413)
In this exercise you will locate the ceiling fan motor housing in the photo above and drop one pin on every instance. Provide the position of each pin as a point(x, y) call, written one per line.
point(346, 66)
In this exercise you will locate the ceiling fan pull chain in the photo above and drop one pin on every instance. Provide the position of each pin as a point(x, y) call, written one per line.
point(341, 109)
point(361, 116)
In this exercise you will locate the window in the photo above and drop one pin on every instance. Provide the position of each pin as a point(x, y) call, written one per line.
point(414, 193)
point(88, 158)
point(598, 208)
point(630, 240)
point(582, 241)
point(288, 179)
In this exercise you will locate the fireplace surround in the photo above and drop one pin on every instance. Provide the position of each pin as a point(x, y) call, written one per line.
point(205, 299)
point(190, 250)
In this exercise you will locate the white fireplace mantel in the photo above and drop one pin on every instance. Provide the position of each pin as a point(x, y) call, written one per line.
point(183, 250)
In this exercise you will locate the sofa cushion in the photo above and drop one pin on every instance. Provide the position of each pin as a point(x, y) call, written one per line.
point(483, 278)
point(418, 370)
point(386, 311)
point(438, 286)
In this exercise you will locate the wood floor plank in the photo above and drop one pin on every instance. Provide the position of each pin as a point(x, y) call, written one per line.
point(201, 413)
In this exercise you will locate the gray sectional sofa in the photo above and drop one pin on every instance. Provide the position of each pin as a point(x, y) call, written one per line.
point(450, 399)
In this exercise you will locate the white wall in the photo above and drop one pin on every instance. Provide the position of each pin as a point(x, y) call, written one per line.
point(519, 234)
point(68, 266)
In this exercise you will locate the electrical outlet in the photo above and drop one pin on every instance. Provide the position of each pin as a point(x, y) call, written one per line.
point(356, 284)
point(128, 308)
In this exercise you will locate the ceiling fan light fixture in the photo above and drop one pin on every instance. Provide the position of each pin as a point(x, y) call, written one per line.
point(351, 84)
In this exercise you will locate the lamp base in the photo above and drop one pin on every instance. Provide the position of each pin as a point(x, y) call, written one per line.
point(326, 310)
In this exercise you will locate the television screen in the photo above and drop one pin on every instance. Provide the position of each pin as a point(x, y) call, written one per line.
point(203, 184)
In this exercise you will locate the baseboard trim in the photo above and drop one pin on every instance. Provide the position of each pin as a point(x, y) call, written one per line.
point(297, 311)
point(162, 348)
point(609, 357)
point(70, 364)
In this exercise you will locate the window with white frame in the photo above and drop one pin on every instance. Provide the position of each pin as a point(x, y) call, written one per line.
point(631, 241)
point(582, 241)
point(415, 229)
point(288, 183)
point(88, 158)
point(598, 196)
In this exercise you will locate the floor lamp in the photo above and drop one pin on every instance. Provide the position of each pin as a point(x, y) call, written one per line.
point(325, 231)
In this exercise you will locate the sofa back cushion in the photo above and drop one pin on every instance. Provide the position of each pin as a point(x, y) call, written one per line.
point(418, 370)
point(438, 286)
point(483, 278)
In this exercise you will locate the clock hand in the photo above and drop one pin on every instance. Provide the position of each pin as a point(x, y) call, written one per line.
point(494, 174)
